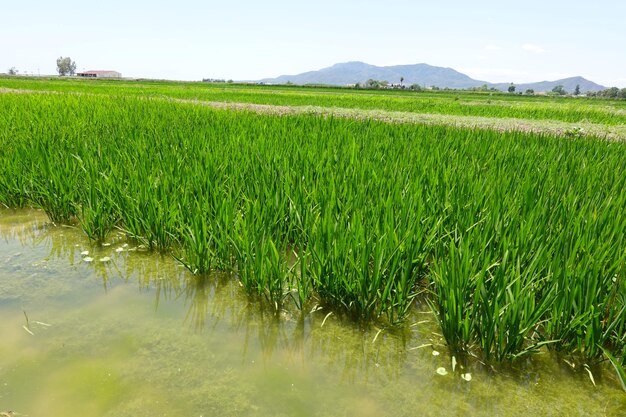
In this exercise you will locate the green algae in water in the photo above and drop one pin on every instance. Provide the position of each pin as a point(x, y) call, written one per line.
point(139, 336)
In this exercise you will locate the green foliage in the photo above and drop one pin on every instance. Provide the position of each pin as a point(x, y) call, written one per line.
point(376, 83)
point(517, 238)
point(613, 93)
point(65, 66)
point(473, 104)
point(485, 88)
point(619, 368)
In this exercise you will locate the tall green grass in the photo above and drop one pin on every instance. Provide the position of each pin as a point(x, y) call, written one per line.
point(519, 239)
point(458, 103)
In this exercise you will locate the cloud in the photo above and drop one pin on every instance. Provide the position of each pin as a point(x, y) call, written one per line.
point(535, 49)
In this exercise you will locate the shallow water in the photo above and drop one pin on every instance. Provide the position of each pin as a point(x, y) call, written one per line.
point(140, 336)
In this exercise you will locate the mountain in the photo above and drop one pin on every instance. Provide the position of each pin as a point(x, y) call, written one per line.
point(422, 74)
point(359, 72)
point(569, 84)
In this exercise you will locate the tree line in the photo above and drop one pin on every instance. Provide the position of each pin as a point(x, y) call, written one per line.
point(612, 92)
point(559, 90)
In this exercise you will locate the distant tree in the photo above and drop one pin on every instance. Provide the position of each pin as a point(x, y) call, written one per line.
point(230, 81)
point(415, 87)
point(13, 71)
point(65, 66)
point(529, 92)
point(511, 88)
point(357, 85)
point(401, 80)
point(560, 90)
point(622, 93)
point(577, 90)
point(371, 83)
point(612, 92)
point(434, 87)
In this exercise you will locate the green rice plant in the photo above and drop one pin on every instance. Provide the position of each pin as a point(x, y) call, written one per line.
point(97, 214)
point(55, 186)
point(407, 266)
point(260, 267)
point(198, 245)
point(453, 286)
point(300, 284)
point(589, 310)
point(517, 238)
point(619, 368)
point(508, 312)
point(459, 103)
point(14, 188)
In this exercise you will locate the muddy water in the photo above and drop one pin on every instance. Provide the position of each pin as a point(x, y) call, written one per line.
point(137, 335)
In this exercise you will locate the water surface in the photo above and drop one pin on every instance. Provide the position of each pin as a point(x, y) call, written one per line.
point(137, 335)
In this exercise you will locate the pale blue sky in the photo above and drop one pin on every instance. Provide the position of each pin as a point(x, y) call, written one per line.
point(499, 41)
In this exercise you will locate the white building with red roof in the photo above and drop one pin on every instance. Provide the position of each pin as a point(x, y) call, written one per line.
point(100, 74)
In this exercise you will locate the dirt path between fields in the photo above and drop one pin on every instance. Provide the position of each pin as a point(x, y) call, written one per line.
point(553, 127)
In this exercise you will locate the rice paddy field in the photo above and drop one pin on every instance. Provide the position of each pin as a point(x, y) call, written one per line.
point(445, 257)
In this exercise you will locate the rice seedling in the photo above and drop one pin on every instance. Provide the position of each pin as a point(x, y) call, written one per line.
point(518, 239)
point(619, 368)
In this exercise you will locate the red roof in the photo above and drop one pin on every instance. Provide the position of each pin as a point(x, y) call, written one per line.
point(96, 71)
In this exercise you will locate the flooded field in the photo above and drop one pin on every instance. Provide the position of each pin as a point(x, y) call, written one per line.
point(112, 330)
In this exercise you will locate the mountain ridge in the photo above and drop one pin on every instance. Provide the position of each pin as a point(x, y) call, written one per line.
point(353, 72)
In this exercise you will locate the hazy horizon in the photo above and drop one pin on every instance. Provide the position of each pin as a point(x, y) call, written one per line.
point(190, 40)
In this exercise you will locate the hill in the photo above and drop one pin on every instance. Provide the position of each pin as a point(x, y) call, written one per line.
point(423, 74)
point(569, 84)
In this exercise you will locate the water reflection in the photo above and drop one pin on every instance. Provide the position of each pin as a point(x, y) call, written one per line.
point(213, 303)
point(24, 226)
point(197, 292)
